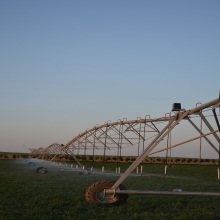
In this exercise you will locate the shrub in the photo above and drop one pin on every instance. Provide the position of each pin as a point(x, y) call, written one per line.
point(114, 158)
point(127, 159)
point(121, 158)
point(83, 157)
point(195, 160)
point(91, 158)
point(97, 158)
point(158, 159)
point(177, 160)
point(108, 159)
point(189, 160)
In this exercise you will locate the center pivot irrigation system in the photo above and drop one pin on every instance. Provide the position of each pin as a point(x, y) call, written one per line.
point(144, 137)
point(107, 192)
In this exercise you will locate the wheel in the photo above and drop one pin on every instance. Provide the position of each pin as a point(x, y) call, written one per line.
point(31, 163)
point(84, 172)
point(41, 170)
point(95, 194)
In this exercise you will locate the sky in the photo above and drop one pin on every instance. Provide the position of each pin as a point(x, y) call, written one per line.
point(66, 66)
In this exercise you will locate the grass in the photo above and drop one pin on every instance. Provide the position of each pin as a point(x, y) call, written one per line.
point(59, 194)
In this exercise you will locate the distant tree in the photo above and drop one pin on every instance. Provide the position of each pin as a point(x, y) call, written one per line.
point(154, 159)
point(158, 159)
point(177, 160)
point(97, 158)
point(114, 158)
point(121, 158)
point(71, 158)
point(91, 158)
point(195, 160)
point(147, 159)
point(78, 157)
point(83, 157)
point(108, 159)
point(127, 159)
point(189, 160)
point(183, 160)
point(14, 156)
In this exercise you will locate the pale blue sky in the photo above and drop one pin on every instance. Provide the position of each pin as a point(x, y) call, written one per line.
point(66, 66)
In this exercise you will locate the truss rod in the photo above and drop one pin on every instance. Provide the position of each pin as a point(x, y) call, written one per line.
point(170, 193)
point(184, 142)
point(216, 118)
point(173, 122)
point(210, 128)
point(202, 135)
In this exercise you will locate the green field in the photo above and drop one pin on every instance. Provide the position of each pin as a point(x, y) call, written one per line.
point(59, 194)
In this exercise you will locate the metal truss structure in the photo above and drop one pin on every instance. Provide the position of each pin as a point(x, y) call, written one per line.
point(50, 153)
point(112, 138)
point(35, 152)
point(42, 153)
point(203, 119)
point(142, 137)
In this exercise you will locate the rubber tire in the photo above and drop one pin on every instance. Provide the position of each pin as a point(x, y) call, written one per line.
point(42, 170)
point(94, 194)
point(31, 163)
